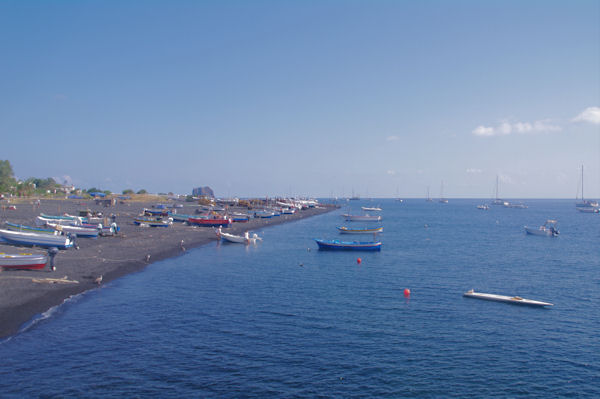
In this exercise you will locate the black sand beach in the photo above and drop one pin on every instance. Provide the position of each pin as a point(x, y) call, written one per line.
point(26, 293)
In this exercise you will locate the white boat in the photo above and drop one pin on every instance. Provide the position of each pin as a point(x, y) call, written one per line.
point(548, 229)
point(361, 218)
point(483, 207)
point(43, 221)
point(504, 298)
point(442, 199)
point(245, 239)
point(374, 209)
point(497, 201)
point(367, 230)
point(515, 205)
point(42, 240)
point(78, 230)
point(586, 206)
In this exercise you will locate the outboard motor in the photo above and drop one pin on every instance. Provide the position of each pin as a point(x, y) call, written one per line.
point(52, 251)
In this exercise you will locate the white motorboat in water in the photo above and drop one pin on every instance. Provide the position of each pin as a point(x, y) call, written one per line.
point(548, 229)
point(504, 298)
point(245, 239)
point(374, 209)
point(361, 218)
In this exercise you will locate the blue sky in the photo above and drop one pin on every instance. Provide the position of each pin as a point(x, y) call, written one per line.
point(319, 98)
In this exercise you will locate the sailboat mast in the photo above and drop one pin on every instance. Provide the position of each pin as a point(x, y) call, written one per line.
point(582, 184)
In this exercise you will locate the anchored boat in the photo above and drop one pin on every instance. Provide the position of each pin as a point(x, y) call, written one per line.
point(361, 218)
point(347, 230)
point(548, 229)
point(504, 298)
point(349, 245)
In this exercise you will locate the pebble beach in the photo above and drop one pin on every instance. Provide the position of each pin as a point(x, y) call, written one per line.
point(27, 293)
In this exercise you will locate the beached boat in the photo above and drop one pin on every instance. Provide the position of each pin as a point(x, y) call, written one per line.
point(35, 239)
point(60, 217)
point(374, 209)
point(548, 229)
point(215, 222)
point(264, 214)
point(349, 245)
point(43, 221)
point(361, 218)
point(86, 232)
point(153, 222)
point(179, 217)
point(156, 212)
point(504, 298)
point(239, 217)
point(23, 261)
point(366, 230)
point(29, 229)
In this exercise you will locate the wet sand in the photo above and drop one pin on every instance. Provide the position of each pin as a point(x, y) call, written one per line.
point(26, 293)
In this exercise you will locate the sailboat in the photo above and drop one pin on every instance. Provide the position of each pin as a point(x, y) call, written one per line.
point(428, 199)
point(586, 206)
point(497, 201)
point(442, 199)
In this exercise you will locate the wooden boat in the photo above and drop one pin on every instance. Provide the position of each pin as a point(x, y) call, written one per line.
point(349, 245)
point(23, 261)
point(77, 230)
point(361, 218)
point(548, 229)
point(153, 222)
point(35, 239)
point(372, 230)
point(504, 298)
point(374, 209)
point(214, 222)
point(29, 229)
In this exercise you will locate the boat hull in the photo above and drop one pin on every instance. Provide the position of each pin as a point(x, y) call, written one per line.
point(346, 230)
point(33, 239)
point(337, 245)
point(210, 222)
point(23, 261)
point(516, 300)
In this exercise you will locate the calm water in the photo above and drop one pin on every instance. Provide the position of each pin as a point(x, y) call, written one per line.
point(283, 319)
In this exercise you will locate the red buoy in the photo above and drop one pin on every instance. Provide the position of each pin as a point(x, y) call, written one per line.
point(406, 292)
point(359, 260)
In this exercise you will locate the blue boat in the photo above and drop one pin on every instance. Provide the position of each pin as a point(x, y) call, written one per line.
point(30, 229)
point(349, 245)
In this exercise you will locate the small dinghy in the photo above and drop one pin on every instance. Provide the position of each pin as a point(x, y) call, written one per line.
point(504, 298)
point(348, 230)
point(361, 218)
point(245, 239)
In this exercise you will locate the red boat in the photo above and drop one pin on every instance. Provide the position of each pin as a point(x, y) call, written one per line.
point(215, 222)
point(22, 261)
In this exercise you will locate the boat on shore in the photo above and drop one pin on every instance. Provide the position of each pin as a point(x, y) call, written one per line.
point(548, 229)
point(35, 239)
point(349, 245)
point(23, 261)
point(504, 298)
point(361, 218)
point(367, 230)
point(214, 222)
point(152, 222)
point(77, 230)
point(29, 229)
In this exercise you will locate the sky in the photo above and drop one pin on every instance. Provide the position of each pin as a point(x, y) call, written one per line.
point(312, 98)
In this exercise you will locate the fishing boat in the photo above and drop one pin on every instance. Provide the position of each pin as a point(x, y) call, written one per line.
point(349, 245)
point(179, 217)
point(215, 222)
point(30, 229)
point(504, 298)
point(153, 222)
point(35, 239)
point(586, 206)
point(548, 229)
point(78, 230)
point(361, 218)
point(23, 261)
point(372, 230)
point(245, 239)
point(374, 209)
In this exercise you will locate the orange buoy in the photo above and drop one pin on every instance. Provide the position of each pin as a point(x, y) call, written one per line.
point(406, 292)
point(359, 261)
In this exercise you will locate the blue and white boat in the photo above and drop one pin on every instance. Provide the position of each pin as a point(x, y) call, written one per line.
point(349, 245)
point(29, 229)
point(34, 239)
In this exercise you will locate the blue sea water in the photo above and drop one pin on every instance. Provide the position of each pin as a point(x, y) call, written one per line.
point(282, 319)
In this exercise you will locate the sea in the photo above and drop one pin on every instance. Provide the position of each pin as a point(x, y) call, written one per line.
point(282, 319)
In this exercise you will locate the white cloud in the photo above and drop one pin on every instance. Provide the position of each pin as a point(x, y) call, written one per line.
point(391, 172)
point(590, 115)
point(474, 170)
point(392, 138)
point(506, 128)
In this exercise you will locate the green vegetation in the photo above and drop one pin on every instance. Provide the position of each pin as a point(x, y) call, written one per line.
point(7, 180)
point(142, 191)
point(128, 191)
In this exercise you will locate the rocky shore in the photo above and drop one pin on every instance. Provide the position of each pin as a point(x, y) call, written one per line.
point(27, 293)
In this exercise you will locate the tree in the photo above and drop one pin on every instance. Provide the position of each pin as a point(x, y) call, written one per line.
point(128, 191)
point(142, 191)
point(7, 179)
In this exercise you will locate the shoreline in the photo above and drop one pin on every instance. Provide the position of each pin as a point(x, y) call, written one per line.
point(21, 298)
